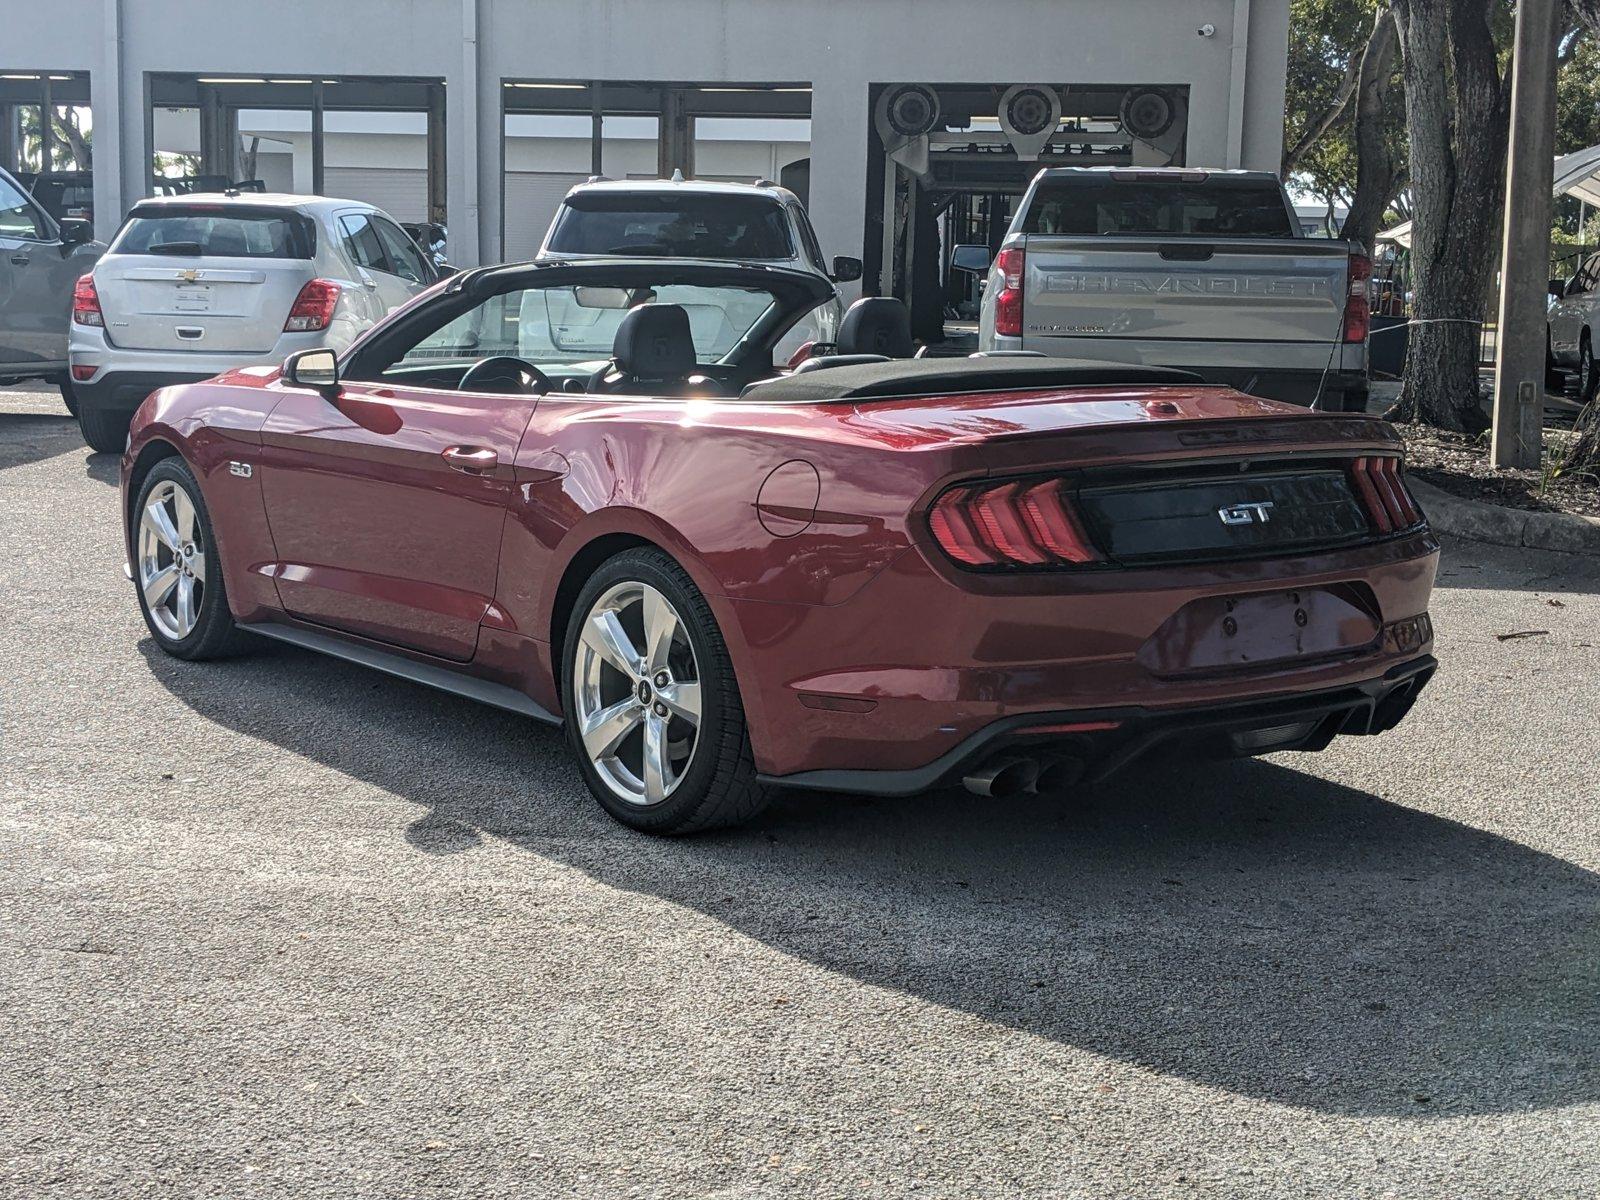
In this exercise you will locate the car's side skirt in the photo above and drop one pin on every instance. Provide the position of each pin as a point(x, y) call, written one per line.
point(481, 690)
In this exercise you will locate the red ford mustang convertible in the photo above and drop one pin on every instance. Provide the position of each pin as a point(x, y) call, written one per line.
point(583, 493)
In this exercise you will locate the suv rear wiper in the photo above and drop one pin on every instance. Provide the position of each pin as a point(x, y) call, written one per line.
point(187, 249)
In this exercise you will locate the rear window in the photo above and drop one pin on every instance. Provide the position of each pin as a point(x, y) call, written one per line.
point(1217, 208)
point(673, 225)
point(211, 231)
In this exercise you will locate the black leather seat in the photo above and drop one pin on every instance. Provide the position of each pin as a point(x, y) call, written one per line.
point(877, 325)
point(652, 354)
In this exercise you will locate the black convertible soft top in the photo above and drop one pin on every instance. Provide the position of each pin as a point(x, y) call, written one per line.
point(905, 377)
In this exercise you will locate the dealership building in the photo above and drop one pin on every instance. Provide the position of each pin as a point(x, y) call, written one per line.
point(906, 125)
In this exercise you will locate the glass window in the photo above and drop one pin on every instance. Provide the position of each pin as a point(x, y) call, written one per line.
point(555, 326)
point(404, 258)
point(361, 238)
point(1215, 208)
point(671, 224)
point(18, 216)
point(215, 231)
point(808, 237)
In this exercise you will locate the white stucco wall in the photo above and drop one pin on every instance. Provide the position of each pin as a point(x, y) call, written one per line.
point(838, 47)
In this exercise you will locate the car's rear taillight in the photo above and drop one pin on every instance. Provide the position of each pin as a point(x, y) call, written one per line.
point(1384, 494)
point(313, 307)
point(1021, 523)
point(86, 303)
point(1009, 265)
point(1357, 308)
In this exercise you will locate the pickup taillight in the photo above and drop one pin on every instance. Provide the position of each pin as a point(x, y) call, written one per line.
point(1009, 265)
point(1357, 309)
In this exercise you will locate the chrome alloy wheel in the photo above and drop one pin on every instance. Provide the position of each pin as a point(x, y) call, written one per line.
point(172, 560)
point(636, 693)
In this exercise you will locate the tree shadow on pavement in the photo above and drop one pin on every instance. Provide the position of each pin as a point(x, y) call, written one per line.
point(1247, 926)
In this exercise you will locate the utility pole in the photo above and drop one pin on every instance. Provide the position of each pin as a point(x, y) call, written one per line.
point(1525, 247)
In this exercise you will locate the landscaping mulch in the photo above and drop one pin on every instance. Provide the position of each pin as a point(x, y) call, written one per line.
point(1458, 464)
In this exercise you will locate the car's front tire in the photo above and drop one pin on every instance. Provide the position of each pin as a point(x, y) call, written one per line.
point(653, 710)
point(176, 569)
point(105, 432)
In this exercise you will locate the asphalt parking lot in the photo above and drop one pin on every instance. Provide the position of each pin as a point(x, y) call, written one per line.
point(282, 927)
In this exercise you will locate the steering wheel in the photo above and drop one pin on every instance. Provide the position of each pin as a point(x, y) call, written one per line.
point(502, 373)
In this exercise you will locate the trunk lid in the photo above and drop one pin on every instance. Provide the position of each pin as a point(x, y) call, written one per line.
point(205, 305)
point(204, 276)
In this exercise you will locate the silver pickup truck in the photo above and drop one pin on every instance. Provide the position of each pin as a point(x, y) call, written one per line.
point(1181, 267)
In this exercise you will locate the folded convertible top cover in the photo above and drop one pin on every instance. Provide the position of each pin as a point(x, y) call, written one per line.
point(953, 376)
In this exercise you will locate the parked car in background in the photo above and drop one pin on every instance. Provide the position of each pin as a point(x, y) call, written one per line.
point(432, 238)
point(876, 574)
point(196, 285)
point(1574, 327)
point(1197, 269)
point(692, 219)
point(62, 194)
point(41, 259)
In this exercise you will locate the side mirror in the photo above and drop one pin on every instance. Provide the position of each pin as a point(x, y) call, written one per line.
point(445, 270)
point(846, 270)
point(1558, 288)
point(317, 369)
point(75, 231)
point(972, 256)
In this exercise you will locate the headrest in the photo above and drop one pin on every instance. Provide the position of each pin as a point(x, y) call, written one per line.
point(877, 325)
point(653, 342)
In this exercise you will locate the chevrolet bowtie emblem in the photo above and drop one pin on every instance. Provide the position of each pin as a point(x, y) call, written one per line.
point(189, 274)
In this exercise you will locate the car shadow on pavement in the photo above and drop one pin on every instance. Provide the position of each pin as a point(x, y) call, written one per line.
point(32, 437)
point(1248, 926)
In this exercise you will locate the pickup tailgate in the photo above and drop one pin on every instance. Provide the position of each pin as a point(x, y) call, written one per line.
point(1288, 290)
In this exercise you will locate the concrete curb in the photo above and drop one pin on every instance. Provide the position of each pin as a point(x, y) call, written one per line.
point(1568, 533)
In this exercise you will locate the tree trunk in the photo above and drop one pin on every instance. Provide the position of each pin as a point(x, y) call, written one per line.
point(1377, 175)
point(1456, 109)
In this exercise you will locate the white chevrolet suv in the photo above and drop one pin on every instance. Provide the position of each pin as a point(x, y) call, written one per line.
point(760, 224)
point(193, 286)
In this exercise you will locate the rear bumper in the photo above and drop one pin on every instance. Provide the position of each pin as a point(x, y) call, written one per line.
point(1093, 744)
point(123, 391)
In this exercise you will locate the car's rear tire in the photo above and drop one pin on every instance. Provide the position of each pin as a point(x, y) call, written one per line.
point(1588, 377)
point(106, 433)
point(69, 395)
point(653, 709)
point(176, 571)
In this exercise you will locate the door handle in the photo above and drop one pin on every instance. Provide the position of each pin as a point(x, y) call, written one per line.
point(20, 260)
point(474, 460)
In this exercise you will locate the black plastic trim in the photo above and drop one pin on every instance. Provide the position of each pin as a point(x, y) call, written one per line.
point(1356, 708)
point(482, 690)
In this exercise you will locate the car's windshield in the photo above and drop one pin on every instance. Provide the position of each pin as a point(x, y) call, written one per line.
point(216, 230)
point(677, 225)
point(555, 326)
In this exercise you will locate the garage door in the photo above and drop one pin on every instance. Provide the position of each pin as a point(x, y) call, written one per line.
point(402, 192)
point(532, 198)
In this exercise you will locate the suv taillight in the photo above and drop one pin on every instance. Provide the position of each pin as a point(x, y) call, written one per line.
point(1357, 308)
point(86, 303)
point(313, 307)
point(1384, 494)
point(1009, 264)
point(1022, 523)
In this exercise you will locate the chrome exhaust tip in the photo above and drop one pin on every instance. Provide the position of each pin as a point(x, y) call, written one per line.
point(1001, 778)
